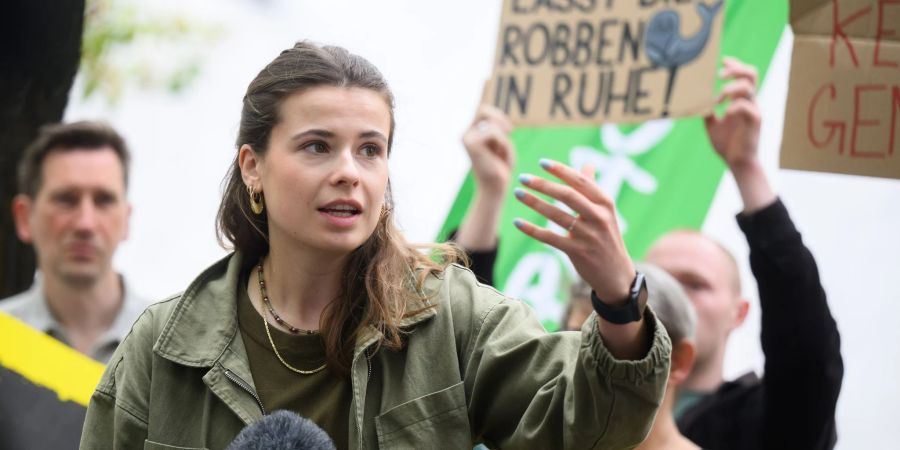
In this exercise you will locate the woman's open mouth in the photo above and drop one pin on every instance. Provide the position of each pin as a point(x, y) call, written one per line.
point(342, 213)
point(341, 210)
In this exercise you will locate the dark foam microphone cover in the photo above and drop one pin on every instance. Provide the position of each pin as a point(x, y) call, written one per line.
point(282, 430)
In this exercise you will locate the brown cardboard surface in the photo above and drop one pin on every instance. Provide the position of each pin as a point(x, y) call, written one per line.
point(579, 62)
point(843, 107)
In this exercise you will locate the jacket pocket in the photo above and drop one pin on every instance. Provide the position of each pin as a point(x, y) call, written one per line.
point(436, 420)
point(150, 445)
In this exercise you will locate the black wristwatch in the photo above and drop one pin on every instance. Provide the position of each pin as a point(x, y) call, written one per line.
point(632, 311)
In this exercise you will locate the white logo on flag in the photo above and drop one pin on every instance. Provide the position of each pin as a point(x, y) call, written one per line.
point(616, 169)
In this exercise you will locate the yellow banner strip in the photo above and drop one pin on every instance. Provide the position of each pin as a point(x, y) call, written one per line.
point(47, 362)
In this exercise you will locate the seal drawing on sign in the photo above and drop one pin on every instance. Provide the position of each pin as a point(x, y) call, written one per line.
point(666, 47)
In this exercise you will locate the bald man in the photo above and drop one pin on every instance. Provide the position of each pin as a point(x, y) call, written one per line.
point(709, 274)
point(792, 406)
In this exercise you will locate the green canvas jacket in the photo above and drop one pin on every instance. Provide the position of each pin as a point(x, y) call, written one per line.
point(477, 367)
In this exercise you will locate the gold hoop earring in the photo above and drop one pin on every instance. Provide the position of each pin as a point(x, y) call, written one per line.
point(256, 200)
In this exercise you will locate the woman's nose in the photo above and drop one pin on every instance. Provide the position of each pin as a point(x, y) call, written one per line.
point(346, 169)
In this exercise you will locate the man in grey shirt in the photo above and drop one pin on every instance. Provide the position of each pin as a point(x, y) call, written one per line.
point(72, 208)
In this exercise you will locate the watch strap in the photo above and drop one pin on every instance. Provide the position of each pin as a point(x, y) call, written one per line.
point(631, 311)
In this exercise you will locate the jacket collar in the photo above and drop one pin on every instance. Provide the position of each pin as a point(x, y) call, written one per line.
point(203, 323)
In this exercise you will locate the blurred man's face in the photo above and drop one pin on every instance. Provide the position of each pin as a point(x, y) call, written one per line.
point(709, 278)
point(78, 216)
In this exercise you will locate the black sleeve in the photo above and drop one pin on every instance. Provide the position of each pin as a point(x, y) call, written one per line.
point(800, 340)
point(481, 262)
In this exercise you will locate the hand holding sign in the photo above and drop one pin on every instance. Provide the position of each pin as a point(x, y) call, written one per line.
point(490, 149)
point(735, 135)
point(492, 155)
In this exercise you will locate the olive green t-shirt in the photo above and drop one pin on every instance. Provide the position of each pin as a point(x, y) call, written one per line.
point(322, 397)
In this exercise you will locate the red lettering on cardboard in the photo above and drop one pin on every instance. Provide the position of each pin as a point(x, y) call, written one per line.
point(858, 122)
point(838, 30)
point(863, 94)
point(834, 126)
point(881, 32)
point(895, 111)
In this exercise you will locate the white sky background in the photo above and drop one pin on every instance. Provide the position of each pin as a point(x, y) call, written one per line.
point(436, 57)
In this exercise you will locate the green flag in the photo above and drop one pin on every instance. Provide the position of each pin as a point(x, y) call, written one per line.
point(662, 174)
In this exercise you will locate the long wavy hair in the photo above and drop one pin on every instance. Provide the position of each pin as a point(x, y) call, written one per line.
point(382, 275)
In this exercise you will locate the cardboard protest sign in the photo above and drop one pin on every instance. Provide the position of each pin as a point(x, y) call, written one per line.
point(45, 387)
point(662, 174)
point(580, 62)
point(843, 110)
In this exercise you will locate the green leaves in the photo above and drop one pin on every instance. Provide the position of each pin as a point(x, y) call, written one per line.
point(127, 45)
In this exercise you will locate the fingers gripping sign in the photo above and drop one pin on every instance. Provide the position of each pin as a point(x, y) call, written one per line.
point(593, 241)
point(735, 135)
point(492, 155)
point(490, 150)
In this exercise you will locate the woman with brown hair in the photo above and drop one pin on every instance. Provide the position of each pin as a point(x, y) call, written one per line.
point(325, 310)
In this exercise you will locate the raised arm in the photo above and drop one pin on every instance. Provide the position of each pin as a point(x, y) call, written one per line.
point(800, 340)
point(735, 135)
point(492, 156)
point(593, 243)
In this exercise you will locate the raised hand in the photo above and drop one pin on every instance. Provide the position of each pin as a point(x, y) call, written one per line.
point(593, 241)
point(490, 149)
point(492, 156)
point(735, 135)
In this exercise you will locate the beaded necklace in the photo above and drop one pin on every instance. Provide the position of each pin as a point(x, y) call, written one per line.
point(280, 321)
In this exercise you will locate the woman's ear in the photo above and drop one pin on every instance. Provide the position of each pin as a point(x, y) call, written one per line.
point(250, 163)
point(683, 354)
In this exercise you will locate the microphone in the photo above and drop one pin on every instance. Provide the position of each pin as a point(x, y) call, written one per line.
point(282, 430)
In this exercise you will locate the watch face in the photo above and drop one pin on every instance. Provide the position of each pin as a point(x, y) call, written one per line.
point(640, 283)
point(640, 294)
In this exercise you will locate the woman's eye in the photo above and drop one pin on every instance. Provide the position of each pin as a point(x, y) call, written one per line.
point(315, 147)
point(371, 151)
